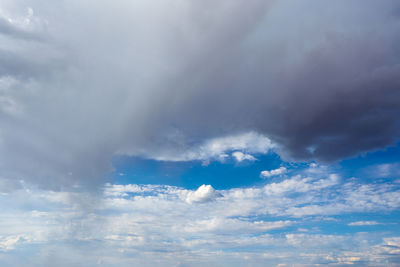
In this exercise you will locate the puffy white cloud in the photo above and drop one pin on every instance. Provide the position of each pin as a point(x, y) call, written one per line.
point(275, 172)
point(203, 194)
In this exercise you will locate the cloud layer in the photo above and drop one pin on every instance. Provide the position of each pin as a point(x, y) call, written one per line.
point(80, 83)
point(284, 222)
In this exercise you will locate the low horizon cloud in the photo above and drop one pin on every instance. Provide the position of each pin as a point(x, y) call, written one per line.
point(160, 225)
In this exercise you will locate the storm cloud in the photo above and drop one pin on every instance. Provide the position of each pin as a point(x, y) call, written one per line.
point(81, 81)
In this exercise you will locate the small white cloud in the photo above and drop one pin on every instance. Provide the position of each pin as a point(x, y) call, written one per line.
point(280, 171)
point(203, 194)
point(240, 156)
point(363, 223)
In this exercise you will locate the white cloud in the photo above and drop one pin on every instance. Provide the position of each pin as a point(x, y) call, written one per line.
point(298, 183)
point(222, 225)
point(240, 156)
point(275, 172)
point(364, 223)
point(203, 194)
point(165, 222)
point(390, 246)
point(312, 240)
point(242, 145)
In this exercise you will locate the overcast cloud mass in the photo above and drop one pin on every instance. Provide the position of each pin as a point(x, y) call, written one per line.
point(83, 81)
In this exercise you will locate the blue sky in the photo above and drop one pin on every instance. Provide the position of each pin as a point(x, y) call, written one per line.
point(377, 166)
point(199, 133)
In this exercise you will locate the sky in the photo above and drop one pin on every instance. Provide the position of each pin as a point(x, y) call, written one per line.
point(199, 133)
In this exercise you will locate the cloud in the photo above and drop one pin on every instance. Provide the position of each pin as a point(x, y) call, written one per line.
point(390, 246)
point(229, 226)
point(203, 194)
point(27, 27)
point(240, 156)
point(135, 224)
point(9, 185)
point(10, 242)
point(181, 81)
point(155, 224)
point(301, 184)
point(385, 170)
point(212, 149)
point(363, 223)
point(279, 171)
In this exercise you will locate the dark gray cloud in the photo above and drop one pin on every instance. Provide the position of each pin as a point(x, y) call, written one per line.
point(323, 83)
point(320, 79)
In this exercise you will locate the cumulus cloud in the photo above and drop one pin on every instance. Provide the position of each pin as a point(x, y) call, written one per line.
point(279, 171)
point(203, 194)
point(168, 79)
